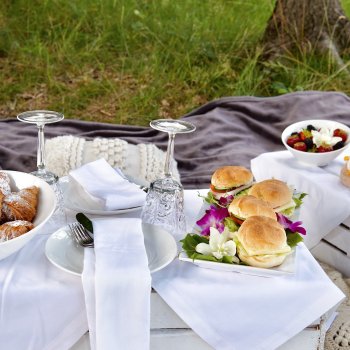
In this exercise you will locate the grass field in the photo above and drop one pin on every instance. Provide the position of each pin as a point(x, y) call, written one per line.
point(129, 61)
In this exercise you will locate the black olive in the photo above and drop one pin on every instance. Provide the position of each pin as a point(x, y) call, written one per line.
point(339, 145)
point(310, 127)
point(308, 143)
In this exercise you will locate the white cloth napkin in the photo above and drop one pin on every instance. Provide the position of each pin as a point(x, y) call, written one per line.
point(101, 187)
point(117, 286)
point(328, 201)
point(232, 311)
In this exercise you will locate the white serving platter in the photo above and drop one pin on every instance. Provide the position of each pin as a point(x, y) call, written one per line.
point(286, 268)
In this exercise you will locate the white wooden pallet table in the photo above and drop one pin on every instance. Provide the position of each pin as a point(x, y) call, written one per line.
point(334, 249)
point(169, 332)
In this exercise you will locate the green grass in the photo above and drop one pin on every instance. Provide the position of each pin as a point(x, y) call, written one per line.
point(129, 61)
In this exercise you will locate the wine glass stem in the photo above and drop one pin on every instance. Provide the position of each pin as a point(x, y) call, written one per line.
point(41, 149)
point(169, 155)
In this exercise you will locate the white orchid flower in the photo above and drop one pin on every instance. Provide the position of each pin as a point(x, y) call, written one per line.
point(324, 137)
point(220, 245)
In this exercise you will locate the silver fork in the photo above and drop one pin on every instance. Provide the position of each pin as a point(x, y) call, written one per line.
point(81, 235)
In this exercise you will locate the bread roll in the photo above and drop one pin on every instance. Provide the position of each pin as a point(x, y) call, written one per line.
point(262, 242)
point(231, 176)
point(246, 206)
point(274, 192)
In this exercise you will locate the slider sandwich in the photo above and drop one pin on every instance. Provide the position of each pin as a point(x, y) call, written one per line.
point(230, 180)
point(243, 207)
point(262, 242)
point(276, 193)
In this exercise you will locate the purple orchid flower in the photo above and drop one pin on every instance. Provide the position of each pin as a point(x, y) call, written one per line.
point(213, 217)
point(225, 201)
point(289, 224)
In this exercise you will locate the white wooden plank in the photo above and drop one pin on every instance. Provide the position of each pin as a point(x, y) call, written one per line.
point(162, 316)
point(187, 340)
point(82, 344)
point(307, 339)
point(347, 221)
point(340, 237)
point(332, 257)
point(177, 339)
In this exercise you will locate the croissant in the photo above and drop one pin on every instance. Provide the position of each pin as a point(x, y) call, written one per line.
point(12, 229)
point(20, 205)
point(2, 196)
point(4, 183)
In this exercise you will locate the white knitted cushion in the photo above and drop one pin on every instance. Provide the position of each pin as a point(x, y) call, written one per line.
point(143, 162)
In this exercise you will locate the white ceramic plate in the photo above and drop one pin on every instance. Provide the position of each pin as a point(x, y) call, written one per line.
point(287, 268)
point(46, 207)
point(64, 253)
point(73, 203)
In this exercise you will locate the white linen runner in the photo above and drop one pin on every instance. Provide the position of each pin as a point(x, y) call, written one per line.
point(117, 286)
point(327, 203)
point(99, 186)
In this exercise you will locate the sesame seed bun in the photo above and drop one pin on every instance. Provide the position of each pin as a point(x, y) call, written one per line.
point(274, 192)
point(262, 242)
point(246, 206)
point(231, 176)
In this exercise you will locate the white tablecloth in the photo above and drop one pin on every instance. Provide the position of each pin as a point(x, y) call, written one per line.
point(42, 307)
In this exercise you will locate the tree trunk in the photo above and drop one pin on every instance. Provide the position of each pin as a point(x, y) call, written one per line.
point(307, 25)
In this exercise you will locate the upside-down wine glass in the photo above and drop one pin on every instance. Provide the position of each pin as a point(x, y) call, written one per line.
point(41, 118)
point(164, 204)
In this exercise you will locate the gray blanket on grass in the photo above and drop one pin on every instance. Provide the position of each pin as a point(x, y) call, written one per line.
point(230, 131)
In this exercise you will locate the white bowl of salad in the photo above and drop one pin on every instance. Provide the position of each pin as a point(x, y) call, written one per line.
point(316, 142)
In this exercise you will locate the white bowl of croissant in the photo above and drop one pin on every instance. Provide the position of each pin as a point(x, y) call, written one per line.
point(26, 203)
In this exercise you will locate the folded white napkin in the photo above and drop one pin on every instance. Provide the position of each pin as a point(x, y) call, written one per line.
point(327, 203)
point(232, 311)
point(117, 286)
point(101, 187)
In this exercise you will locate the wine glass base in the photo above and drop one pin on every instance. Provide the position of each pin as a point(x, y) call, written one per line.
point(47, 176)
point(164, 206)
point(166, 185)
point(173, 126)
